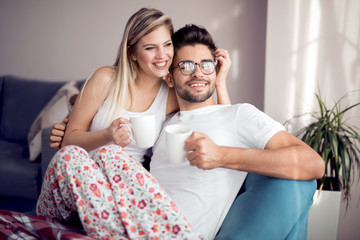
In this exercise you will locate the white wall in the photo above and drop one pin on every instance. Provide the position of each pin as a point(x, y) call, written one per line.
point(311, 44)
point(68, 39)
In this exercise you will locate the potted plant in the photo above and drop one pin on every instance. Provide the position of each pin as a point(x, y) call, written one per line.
point(336, 141)
point(338, 144)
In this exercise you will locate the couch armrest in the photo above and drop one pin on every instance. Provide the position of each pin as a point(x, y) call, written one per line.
point(46, 152)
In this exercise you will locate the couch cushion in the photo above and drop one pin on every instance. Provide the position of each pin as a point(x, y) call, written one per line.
point(58, 108)
point(21, 101)
point(19, 178)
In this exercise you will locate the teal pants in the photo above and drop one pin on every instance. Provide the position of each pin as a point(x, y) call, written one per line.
point(269, 208)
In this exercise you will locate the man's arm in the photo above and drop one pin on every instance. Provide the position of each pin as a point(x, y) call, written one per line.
point(284, 156)
point(57, 133)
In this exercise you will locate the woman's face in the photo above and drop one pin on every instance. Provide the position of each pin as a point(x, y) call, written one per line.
point(154, 53)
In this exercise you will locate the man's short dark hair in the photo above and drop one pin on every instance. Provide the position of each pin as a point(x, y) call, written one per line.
point(190, 35)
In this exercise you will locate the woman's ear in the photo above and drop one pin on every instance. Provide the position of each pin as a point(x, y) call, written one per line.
point(169, 80)
point(131, 54)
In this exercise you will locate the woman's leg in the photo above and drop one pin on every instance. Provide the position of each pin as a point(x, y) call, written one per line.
point(74, 184)
point(269, 208)
point(110, 192)
point(145, 208)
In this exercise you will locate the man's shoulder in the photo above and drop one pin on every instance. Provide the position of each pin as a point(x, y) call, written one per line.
point(243, 107)
point(227, 109)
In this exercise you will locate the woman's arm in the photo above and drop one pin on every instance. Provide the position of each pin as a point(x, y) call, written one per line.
point(172, 104)
point(86, 106)
point(224, 63)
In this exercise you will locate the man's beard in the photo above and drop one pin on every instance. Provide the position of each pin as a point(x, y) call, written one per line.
point(192, 98)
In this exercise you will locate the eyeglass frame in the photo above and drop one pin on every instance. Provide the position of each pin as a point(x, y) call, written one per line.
point(195, 63)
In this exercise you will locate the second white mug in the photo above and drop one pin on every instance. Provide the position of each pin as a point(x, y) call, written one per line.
point(175, 142)
point(143, 128)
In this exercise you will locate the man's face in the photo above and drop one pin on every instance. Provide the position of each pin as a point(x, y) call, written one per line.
point(198, 86)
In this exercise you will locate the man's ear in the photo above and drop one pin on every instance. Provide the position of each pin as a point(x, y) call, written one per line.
point(169, 80)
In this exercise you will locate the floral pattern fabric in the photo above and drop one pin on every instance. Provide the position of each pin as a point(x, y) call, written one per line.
point(113, 195)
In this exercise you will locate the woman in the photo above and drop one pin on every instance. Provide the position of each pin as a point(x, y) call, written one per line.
point(113, 94)
point(132, 87)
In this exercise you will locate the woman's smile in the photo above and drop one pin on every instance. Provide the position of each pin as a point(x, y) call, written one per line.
point(154, 53)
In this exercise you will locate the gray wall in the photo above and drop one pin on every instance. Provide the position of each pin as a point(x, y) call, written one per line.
point(66, 40)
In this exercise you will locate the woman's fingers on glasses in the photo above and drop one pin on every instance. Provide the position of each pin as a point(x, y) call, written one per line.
point(222, 52)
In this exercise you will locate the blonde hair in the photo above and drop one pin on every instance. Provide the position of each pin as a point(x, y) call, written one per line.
point(126, 70)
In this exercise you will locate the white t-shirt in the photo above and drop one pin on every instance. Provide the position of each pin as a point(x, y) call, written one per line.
point(158, 108)
point(205, 196)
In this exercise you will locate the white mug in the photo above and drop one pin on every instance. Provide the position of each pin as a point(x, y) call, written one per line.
point(175, 142)
point(143, 128)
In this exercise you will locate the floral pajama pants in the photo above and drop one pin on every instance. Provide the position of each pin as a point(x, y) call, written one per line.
point(113, 195)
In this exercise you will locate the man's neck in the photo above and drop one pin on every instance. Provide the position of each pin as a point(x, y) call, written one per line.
point(187, 106)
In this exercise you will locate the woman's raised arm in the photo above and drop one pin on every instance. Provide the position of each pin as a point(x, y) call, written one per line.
point(224, 63)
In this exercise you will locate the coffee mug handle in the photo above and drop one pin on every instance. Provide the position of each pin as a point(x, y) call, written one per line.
point(128, 125)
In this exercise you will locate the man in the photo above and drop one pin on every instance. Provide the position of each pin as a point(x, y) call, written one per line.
point(229, 141)
point(235, 137)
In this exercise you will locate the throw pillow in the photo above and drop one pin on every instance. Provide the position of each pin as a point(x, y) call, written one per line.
point(55, 111)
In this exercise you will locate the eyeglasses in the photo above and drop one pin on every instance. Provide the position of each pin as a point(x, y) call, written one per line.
point(207, 67)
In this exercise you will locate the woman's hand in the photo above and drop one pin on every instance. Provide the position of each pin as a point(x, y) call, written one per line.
point(223, 66)
point(119, 133)
point(57, 133)
point(224, 63)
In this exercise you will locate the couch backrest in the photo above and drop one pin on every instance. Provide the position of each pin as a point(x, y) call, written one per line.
point(21, 100)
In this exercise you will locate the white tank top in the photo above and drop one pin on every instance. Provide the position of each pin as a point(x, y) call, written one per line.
point(158, 108)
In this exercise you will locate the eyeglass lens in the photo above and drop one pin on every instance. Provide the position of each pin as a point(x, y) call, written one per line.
point(188, 67)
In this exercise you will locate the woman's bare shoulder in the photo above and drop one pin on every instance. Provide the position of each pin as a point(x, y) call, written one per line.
point(102, 76)
point(98, 84)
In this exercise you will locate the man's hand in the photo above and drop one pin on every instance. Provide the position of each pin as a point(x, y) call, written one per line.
point(119, 133)
point(204, 153)
point(57, 133)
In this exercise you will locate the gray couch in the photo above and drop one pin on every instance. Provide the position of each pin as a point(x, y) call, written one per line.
point(21, 100)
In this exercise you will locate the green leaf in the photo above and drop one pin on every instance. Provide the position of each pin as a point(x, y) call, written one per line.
point(337, 142)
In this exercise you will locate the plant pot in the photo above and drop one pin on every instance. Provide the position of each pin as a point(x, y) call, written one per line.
point(329, 184)
point(324, 215)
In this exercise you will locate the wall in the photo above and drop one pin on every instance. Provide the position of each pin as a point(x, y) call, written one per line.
point(311, 45)
point(65, 40)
